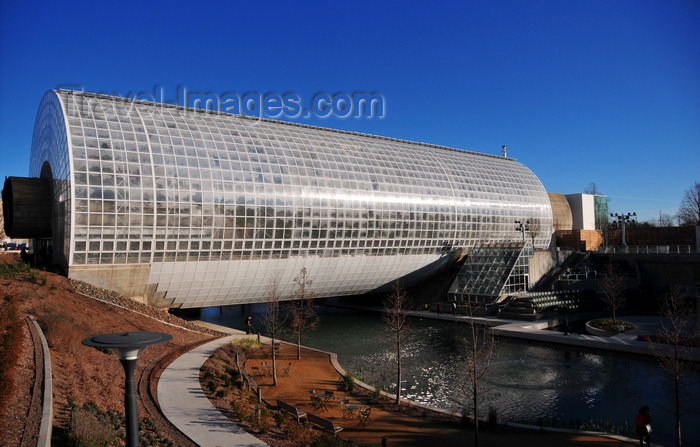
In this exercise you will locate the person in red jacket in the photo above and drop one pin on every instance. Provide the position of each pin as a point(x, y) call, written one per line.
point(643, 423)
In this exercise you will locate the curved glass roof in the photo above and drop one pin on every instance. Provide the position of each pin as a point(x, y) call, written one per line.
point(150, 183)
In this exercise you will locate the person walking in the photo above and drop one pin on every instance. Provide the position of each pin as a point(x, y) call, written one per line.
point(249, 325)
point(643, 424)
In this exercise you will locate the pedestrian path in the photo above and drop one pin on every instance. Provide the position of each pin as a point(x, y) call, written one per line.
point(185, 405)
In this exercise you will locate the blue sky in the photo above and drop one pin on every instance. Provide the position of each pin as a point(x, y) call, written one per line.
point(580, 91)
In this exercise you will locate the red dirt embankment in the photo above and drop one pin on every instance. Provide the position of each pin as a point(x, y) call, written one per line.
point(82, 374)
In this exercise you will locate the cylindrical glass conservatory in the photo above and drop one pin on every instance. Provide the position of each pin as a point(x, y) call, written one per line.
point(188, 208)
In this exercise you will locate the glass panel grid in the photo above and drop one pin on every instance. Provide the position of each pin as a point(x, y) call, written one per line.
point(265, 183)
point(492, 270)
point(162, 184)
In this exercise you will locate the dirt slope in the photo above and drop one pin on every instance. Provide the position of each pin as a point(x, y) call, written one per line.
point(83, 374)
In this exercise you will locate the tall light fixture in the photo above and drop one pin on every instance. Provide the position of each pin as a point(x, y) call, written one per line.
point(128, 346)
point(522, 227)
point(622, 219)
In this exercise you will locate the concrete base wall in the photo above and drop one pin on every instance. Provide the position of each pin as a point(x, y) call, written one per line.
point(540, 263)
point(127, 280)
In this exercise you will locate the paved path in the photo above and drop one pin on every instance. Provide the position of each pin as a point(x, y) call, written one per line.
point(183, 402)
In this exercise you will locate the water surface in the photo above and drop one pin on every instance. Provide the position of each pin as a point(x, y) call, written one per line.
point(526, 382)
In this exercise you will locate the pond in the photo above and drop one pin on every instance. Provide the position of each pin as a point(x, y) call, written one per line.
point(527, 382)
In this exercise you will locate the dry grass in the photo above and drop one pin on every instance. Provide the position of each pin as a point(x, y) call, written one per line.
point(60, 328)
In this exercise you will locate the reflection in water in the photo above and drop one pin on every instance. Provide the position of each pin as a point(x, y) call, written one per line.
point(527, 381)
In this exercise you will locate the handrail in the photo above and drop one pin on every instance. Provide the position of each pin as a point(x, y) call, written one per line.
point(650, 249)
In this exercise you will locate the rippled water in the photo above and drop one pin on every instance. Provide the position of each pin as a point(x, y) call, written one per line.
point(527, 381)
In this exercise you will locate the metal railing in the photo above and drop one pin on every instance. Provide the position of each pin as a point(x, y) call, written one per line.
point(649, 249)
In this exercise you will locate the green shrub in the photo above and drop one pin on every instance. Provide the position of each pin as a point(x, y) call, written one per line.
point(91, 427)
point(377, 392)
point(282, 418)
point(349, 381)
point(87, 429)
point(263, 420)
point(250, 342)
point(242, 410)
point(22, 272)
point(299, 434)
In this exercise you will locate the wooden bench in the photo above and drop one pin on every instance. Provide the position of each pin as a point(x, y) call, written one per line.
point(294, 411)
point(324, 424)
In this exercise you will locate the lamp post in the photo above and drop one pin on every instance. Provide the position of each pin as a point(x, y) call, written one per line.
point(128, 346)
point(622, 219)
point(522, 227)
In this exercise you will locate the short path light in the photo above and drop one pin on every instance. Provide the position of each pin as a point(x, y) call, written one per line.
point(128, 346)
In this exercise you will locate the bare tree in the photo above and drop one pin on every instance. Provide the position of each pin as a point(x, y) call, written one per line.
point(535, 230)
point(689, 210)
point(479, 347)
point(675, 331)
point(273, 320)
point(304, 315)
point(612, 285)
point(2, 221)
point(395, 306)
point(665, 220)
point(592, 188)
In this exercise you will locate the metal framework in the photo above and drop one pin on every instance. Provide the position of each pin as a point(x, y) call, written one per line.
point(212, 206)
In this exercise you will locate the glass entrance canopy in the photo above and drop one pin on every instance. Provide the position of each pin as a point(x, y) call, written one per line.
point(188, 208)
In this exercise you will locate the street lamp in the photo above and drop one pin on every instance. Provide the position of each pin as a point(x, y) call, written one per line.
point(128, 346)
point(622, 219)
point(522, 227)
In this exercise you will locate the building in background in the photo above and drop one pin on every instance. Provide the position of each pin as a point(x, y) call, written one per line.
point(580, 220)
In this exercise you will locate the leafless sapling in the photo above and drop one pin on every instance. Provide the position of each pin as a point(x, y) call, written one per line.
point(676, 332)
point(395, 306)
point(303, 311)
point(273, 320)
point(479, 346)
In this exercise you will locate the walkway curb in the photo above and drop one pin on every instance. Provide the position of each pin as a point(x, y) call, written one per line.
point(46, 427)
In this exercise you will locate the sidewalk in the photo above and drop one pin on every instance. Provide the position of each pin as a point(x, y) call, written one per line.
point(183, 402)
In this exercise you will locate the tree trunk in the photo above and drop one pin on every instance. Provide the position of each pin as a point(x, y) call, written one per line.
point(476, 415)
point(398, 369)
point(676, 390)
point(274, 364)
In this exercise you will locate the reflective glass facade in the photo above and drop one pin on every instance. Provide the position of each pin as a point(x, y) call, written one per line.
point(213, 206)
point(492, 270)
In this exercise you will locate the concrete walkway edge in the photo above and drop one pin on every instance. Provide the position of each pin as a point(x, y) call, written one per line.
point(185, 405)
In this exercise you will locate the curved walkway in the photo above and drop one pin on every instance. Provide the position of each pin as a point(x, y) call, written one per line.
point(184, 403)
